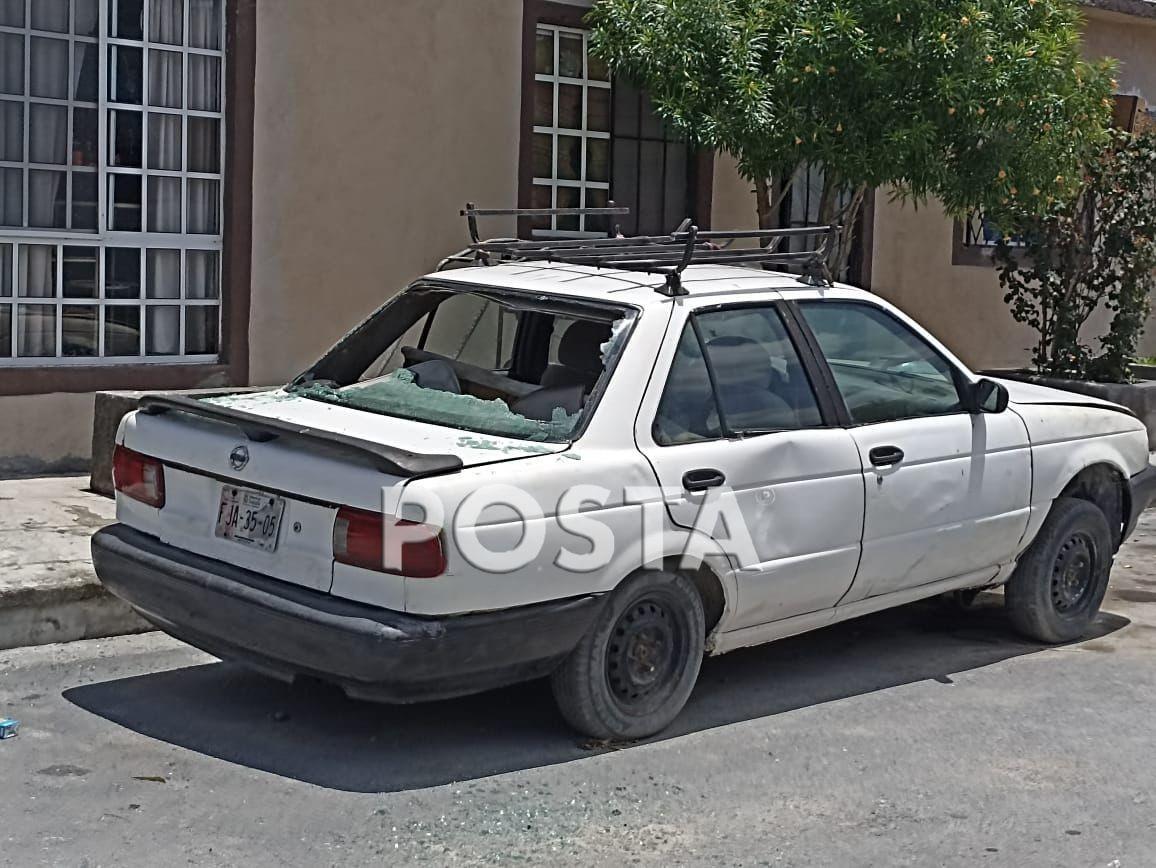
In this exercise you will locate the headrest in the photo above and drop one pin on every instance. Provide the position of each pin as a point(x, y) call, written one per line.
point(581, 345)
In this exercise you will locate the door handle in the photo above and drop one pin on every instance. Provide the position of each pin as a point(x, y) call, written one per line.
point(701, 480)
point(886, 456)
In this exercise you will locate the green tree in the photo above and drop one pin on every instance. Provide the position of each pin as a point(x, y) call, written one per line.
point(1095, 250)
point(979, 103)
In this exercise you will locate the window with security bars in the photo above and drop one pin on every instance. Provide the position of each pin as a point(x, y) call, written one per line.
point(571, 131)
point(111, 174)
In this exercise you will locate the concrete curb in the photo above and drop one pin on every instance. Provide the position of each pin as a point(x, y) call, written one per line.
point(43, 616)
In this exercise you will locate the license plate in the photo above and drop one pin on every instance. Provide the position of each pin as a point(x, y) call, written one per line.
point(252, 518)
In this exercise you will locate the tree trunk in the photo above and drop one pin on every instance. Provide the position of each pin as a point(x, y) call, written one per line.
point(763, 205)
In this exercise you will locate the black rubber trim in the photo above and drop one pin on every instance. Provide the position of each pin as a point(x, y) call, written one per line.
point(388, 459)
point(288, 631)
point(1142, 492)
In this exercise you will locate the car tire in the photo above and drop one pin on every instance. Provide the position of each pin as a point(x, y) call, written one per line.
point(634, 670)
point(1056, 590)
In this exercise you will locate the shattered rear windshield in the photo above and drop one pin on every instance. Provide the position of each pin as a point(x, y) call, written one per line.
point(528, 367)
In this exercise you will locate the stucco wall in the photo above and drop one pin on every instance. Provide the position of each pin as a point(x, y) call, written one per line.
point(45, 433)
point(375, 123)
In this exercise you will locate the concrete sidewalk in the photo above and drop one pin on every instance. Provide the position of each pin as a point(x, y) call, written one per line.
point(48, 591)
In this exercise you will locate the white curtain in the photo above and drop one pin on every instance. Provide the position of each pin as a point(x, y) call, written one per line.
point(205, 24)
point(202, 274)
point(166, 18)
point(164, 331)
point(204, 83)
point(164, 141)
point(204, 207)
point(36, 324)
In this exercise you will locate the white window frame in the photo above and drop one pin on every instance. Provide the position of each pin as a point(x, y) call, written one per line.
point(104, 238)
point(554, 130)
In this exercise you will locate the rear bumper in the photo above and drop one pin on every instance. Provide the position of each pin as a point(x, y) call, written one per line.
point(289, 631)
point(1143, 493)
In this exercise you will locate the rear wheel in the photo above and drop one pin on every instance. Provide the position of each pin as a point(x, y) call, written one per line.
point(634, 670)
point(1059, 584)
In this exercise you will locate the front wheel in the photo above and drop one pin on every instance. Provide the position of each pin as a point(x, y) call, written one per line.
point(1056, 590)
point(634, 670)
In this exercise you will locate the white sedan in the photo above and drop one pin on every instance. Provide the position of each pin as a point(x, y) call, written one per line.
point(599, 474)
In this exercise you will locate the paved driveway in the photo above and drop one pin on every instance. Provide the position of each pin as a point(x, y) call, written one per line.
point(914, 737)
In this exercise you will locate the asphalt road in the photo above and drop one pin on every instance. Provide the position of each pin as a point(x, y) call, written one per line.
point(914, 737)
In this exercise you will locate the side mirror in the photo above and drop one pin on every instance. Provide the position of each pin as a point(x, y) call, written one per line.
point(988, 396)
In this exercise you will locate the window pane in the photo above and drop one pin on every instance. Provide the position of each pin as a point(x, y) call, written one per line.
point(165, 79)
point(121, 330)
point(50, 15)
point(569, 158)
point(163, 273)
point(12, 131)
point(48, 134)
point(544, 53)
point(47, 199)
point(122, 272)
point(202, 330)
point(687, 412)
point(11, 197)
point(761, 381)
point(542, 197)
point(204, 207)
point(11, 63)
point(86, 60)
point(543, 155)
point(36, 330)
point(570, 55)
point(569, 106)
point(87, 17)
point(37, 275)
point(12, 13)
point(543, 104)
point(596, 69)
point(84, 136)
point(48, 68)
point(124, 192)
point(204, 83)
point(5, 331)
point(125, 137)
point(202, 274)
point(205, 145)
point(598, 160)
point(80, 267)
point(125, 79)
point(84, 201)
point(79, 331)
point(598, 109)
point(205, 24)
point(164, 331)
point(5, 270)
point(883, 370)
point(129, 15)
point(569, 197)
point(597, 199)
point(164, 204)
point(165, 141)
point(166, 21)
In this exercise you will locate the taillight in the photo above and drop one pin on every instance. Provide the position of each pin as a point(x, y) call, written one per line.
point(359, 538)
point(138, 476)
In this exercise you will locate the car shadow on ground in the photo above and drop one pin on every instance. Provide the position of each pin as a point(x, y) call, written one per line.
point(313, 733)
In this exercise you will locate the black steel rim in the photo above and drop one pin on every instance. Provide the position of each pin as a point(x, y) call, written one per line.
point(1074, 573)
point(642, 659)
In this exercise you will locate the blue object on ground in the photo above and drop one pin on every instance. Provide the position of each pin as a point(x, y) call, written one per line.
point(8, 728)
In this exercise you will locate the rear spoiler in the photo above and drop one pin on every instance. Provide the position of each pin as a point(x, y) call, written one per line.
point(262, 429)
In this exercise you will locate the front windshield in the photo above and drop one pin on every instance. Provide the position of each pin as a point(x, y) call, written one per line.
point(497, 363)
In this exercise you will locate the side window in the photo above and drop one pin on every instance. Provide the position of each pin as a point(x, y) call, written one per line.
point(883, 369)
point(760, 380)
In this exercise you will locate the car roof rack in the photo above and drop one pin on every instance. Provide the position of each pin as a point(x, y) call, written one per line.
point(668, 255)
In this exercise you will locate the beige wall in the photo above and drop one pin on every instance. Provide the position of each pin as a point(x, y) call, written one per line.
point(45, 433)
point(375, 123)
